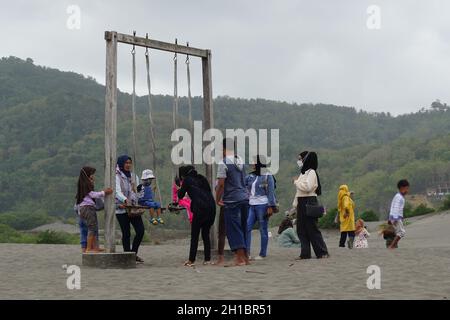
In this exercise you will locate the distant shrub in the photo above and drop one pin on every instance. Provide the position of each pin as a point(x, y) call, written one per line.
point(25, 221)
point(369, 215)
point(408, 209)
point(10, 235)
point(327, 221)
point(56, 237)
point(419, 211)
point(446, 204)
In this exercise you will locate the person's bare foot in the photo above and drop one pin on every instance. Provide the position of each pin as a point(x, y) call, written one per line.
point(95, 250)
point(83, 250)
point(240, 258)
point(100, 249)
point(220, 261)
point(189, 264)
point(235, 263)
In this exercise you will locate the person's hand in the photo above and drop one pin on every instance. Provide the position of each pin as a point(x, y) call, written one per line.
point(346, 215)
point(220, 203)
point(124, 204)
point(108, 190)
point(269, 212)
point(294, 179)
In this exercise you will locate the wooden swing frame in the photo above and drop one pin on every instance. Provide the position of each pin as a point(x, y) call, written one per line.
point(112, 39)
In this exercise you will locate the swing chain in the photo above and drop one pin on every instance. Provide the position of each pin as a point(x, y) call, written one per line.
point(133, 51)
point(175, 55)
point(187, 56)
point(146, 48)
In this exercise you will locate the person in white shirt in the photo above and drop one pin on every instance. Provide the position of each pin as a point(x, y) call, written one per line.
point(396, 212)
point(308, 188)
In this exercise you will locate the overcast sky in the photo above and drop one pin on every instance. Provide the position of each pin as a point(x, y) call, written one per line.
point(295, 51)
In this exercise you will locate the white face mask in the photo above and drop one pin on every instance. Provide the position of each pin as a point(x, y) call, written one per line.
point(300, 163)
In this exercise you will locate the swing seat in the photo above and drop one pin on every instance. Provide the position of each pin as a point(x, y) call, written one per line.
point(137, 210)
point(174, 207)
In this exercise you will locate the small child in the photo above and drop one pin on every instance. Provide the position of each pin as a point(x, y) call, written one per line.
point(86, 205)
point(146, 197)
point(185, 202)
point(396, 212)
point(286, 235)
point(387, 230)
point(361, 235)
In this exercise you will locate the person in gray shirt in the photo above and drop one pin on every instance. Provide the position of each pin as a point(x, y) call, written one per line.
point(232, 194)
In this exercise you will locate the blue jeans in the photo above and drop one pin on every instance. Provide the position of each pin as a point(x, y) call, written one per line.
point(84, 232)
point(258, 213)
point(151, 204)
point(236, 224)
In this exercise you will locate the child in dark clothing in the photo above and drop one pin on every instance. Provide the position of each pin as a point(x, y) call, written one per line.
point(146, 197)
point(387, 230)
point(203, 208)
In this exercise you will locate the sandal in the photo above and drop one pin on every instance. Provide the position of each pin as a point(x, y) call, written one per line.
point(139, 259)
point(208, 263)
point(301, 258)
point(325, 256)
point(189, 264)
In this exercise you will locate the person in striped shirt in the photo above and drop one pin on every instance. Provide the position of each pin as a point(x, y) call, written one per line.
point(396, 212)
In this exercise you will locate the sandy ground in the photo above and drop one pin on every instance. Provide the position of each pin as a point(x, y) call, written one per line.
point(420, 269)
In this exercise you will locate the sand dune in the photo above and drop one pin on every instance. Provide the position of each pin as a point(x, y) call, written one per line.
point(420, 269)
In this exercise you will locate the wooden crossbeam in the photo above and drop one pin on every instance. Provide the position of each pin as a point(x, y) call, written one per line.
point(155, 44)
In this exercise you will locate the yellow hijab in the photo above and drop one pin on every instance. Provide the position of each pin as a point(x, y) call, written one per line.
point(343, 191)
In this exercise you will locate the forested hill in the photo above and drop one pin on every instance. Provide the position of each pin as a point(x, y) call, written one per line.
point(51, 124)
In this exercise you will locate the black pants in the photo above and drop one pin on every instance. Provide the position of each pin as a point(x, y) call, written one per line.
point(308, 231)
point(200, 226)
point(222, 233)
point(138, 225)
point(351, 234)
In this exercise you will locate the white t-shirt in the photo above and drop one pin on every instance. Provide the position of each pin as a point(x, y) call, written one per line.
point(256, 200)
point(397, 206)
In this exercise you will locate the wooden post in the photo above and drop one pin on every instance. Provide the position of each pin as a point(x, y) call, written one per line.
point(110, 138)
point(208, 123)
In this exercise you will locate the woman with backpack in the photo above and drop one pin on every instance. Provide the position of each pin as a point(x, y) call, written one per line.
point(203, 209)
point(261, 188)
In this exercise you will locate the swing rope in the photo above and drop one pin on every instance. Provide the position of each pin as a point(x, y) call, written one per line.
point(152, 129)
point(133, 106)
point(191, 123)
point(175, 103)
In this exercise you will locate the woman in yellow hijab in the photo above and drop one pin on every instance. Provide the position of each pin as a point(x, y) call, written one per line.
point(346, 208)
